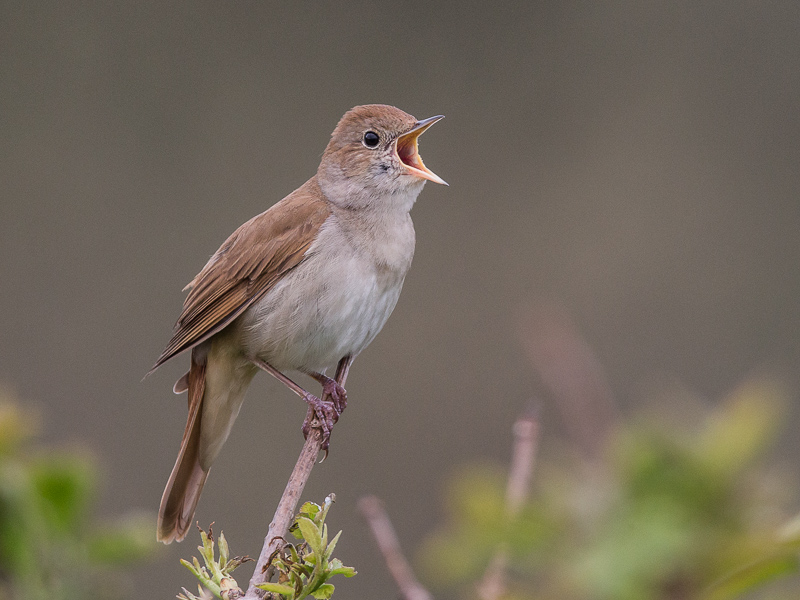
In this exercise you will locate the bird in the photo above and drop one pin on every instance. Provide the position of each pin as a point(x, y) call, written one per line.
point(304, 287)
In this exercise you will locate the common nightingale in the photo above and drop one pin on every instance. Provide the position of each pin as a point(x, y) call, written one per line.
point(304, 286)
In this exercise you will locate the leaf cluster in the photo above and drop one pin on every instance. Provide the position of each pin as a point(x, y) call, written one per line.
point(214, 574)
point(304, 569)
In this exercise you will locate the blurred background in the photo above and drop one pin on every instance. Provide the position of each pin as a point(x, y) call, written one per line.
point(633, 164)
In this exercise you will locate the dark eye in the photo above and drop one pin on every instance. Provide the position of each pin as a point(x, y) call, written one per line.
point(371, 139)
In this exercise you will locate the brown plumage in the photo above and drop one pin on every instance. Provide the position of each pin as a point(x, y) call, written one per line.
point(247, 265)
point(304, 286)
point(188, 477)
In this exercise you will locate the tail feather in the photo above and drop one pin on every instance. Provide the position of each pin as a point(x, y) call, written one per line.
point(188, 477)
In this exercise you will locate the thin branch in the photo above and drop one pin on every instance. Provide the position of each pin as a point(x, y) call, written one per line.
point(526, 441)
point(284, 514)
point(384, 534)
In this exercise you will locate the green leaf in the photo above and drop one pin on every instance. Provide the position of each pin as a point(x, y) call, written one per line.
point(203, 549)
point(753, 576)
point(188, 565)
point(332, 545)
point(224, 551)
point(310, 510)
point(323, 592)
point(278, 588)
point(311, 534)
point(346, 571)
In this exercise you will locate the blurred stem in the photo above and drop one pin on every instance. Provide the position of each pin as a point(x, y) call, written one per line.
point(384, 534)
point(569, 368)
point(526, 442)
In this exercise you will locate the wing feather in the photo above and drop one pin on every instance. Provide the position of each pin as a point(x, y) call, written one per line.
point(250, 262)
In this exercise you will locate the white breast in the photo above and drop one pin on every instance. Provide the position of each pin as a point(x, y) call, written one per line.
point(335, 302)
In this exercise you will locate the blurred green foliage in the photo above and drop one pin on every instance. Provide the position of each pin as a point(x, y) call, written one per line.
point(678, 507)
point(51, 545)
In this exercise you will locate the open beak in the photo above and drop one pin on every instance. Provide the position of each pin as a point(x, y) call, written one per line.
point(407, 151)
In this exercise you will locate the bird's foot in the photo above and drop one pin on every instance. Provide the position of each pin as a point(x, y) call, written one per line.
point(337, 393)
point(333, 389)
point(325, 413)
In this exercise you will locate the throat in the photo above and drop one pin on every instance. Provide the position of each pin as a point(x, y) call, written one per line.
point(403, 199)
point(386, 237)
point(372, 194)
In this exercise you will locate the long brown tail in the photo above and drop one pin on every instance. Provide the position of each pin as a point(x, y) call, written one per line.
point(186, 481)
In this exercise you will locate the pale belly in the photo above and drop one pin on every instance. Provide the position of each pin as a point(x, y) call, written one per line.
point(319, 313)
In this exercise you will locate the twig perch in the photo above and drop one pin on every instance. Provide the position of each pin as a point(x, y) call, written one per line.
point(279, 527)
point(284, 514)
point(384, 534)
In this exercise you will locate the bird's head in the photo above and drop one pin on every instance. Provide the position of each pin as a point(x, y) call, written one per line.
point(373, 154)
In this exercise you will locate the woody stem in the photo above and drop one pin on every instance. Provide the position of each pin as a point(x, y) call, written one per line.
point(284, 514)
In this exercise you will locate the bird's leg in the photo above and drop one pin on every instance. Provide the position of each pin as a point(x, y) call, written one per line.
point(324, 410)
point(342, 369)
point(330, 387)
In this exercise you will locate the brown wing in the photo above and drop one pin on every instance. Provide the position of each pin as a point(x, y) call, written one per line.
point(247, 265)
